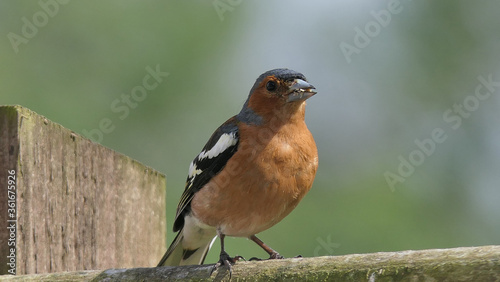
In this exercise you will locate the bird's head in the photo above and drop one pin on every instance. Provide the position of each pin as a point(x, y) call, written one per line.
point(278, 91)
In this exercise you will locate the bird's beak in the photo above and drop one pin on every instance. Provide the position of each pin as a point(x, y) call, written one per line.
point(300, 90)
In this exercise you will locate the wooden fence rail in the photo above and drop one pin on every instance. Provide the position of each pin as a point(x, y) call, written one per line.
point(459, 264)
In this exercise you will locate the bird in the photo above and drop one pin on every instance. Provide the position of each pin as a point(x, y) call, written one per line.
point(253, 171)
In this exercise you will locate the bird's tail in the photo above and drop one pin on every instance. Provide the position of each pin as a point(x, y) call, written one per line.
point(177, 255)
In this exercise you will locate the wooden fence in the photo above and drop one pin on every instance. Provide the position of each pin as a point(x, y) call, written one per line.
point(74, 204)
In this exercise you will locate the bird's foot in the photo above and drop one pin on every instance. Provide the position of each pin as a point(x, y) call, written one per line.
point(274, 255)
point(227, 261)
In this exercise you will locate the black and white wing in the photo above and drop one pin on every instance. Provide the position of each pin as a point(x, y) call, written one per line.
point(219, 149)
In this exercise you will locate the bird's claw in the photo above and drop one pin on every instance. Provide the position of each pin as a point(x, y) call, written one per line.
point(274, 255)
point(255, 259)
point(227, 261)
point(237, 258)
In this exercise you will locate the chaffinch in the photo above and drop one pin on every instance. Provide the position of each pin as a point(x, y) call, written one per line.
point(252, 172)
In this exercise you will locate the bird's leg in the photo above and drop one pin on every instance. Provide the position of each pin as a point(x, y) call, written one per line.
point(224, 258)
point(272, 253)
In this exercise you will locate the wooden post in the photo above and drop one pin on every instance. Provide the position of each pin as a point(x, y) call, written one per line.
point(79, 205)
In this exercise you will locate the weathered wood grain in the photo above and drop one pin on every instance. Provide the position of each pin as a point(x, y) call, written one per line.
point(80, 205)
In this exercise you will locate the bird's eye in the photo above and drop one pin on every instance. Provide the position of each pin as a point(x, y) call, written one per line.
point(271, 85)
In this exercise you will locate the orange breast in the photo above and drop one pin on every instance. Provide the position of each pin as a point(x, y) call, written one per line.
point(262, 183)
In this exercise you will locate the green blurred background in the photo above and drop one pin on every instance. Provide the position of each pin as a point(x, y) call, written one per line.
point(406, 72)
